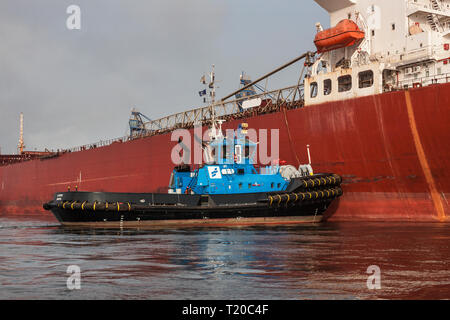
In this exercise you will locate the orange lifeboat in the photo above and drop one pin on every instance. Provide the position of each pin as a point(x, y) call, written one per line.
point(345, 34)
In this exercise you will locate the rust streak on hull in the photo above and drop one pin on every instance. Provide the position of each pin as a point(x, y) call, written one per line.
point(437, 200)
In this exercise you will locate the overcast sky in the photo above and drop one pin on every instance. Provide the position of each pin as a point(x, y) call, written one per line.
point(78, 86)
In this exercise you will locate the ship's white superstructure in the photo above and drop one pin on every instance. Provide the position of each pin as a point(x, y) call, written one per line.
point(406, 44)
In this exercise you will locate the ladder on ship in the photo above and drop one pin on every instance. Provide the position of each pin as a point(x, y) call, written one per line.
point(433, 19)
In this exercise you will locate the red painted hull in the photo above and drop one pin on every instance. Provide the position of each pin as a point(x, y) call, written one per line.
point(381, 145)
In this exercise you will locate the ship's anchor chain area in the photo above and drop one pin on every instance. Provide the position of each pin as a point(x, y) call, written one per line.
point(321, 188)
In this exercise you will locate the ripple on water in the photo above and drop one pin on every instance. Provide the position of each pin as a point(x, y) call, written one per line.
point(327, 261)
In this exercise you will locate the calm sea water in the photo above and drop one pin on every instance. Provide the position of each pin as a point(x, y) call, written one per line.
point(327, 261)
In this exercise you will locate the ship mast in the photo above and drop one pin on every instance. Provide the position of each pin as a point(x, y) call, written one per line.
point(21, 144)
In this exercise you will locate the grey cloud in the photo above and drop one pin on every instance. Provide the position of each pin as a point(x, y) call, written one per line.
point(77, 87)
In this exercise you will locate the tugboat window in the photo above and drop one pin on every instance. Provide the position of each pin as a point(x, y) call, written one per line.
point(365, 79)
point(224, 152)
point(238, 153)
point(345, 83)
point(326, 87)
point(246, 152)
point(314, 90)
point(172, 181)
point(214, 155)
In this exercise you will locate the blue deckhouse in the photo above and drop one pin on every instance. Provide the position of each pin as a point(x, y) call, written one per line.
point(229, 169)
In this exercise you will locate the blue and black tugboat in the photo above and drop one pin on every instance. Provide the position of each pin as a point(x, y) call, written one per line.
point(228, 189)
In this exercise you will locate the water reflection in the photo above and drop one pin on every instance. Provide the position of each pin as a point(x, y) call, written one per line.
point(327, 261)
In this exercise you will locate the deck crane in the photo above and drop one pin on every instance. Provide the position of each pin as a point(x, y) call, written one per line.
point(250, 91)
point(136, 122)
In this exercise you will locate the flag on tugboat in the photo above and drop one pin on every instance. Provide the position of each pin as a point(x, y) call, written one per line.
point(202, 93)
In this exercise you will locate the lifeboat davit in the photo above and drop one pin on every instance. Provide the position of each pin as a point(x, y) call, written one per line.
point(345, 34)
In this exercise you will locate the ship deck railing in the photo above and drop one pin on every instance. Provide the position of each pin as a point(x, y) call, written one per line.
point(272, 101)
point(227, 109)
point(423, 81)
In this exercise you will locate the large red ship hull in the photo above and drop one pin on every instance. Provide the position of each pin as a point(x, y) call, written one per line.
point(392, 150)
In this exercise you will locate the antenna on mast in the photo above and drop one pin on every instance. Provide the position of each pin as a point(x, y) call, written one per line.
point(212, 85)
point(210, 88)
point(21, 144)
point(216, 125)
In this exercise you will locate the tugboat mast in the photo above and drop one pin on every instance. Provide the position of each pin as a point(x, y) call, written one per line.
point(212, 85)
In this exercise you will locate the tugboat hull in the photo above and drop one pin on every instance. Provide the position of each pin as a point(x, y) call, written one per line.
point(103, 209)
point(134, 220)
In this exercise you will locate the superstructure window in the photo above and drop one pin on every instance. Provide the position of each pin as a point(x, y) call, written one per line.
point(365, 79)
point(313, 89)
point(326, 87)
point(345, 83)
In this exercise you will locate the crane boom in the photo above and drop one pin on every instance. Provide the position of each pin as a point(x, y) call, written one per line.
point(306, 55)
